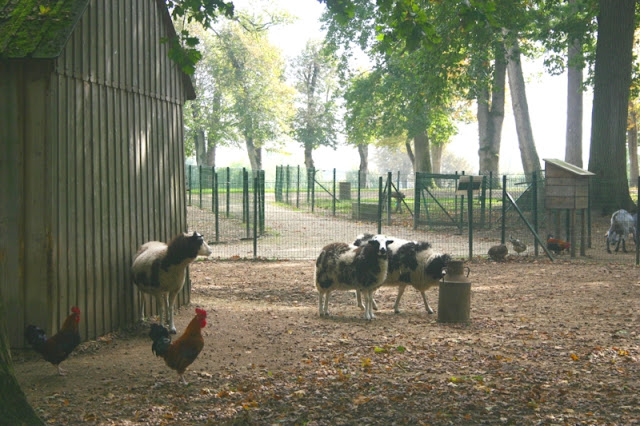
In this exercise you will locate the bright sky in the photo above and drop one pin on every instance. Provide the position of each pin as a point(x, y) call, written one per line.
point(546, 95)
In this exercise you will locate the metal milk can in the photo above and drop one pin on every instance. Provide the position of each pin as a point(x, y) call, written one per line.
point(454, 296)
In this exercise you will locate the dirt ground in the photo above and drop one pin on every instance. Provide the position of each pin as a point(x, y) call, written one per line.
point(547, 344)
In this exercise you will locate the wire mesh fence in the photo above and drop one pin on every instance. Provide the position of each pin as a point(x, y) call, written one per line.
point(298, 211)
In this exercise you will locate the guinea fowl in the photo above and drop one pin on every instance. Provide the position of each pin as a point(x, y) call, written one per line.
point(518, 246)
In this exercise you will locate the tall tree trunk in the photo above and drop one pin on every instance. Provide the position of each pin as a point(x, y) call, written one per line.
point(632, 139)
point(528, 152)
point(573, 147)
point(308, 157)
point(198, 136)
point(612, 80)
point(422, 153)
point(491, 117)
point(436, 157)
point(363, 152)
point(412, 157)
point(211, 154)
point(14, 406)
point(255, 155)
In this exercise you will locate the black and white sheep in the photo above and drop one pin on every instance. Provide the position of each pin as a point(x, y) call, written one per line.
point(342, 266)
point(159, 269)
point(412, 263)
point(622, 224)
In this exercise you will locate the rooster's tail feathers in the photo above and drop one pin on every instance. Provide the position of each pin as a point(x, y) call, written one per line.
point(35, 336)
point(161, 339)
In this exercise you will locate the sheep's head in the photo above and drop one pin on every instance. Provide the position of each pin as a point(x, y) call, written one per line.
point(381, 243)
point(197, 240)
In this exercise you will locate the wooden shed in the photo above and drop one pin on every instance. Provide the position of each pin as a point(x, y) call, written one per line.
point(567, 188)
point(566, 185)
point(92, 158)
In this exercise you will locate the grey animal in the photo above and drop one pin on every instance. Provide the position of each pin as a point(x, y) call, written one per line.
point(498, 253)
point(622, 224)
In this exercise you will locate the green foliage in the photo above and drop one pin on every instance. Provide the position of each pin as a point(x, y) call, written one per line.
point(205, 12)
point(315, 123)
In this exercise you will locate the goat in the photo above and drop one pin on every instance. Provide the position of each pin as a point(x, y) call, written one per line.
point(159, 269)
point(341, 266)
point(411, 263)
point(622, 224)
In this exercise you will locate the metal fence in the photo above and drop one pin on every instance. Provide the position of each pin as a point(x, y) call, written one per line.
point(296, 212)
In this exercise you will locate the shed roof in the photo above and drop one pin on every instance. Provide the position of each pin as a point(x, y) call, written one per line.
point(568, 167)
point(37, 29)
point(40, 29)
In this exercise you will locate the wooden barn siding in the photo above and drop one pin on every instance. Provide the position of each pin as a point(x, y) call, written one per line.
point(116, 170)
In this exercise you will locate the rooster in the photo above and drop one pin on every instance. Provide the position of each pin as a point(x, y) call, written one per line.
point(57, 348)
point(556, 245)
point(180, 354)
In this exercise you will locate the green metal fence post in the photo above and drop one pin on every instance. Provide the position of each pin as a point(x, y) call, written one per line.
point(490, 198)
point(534, 189)
point(200, 186)
point(333, 208)
point(462, 209)
point(255, 215)
point(213, 183)
point(589, 212)
point(389, 185)
point(217, 206)
point(470, 214)
point(313, 189)
point(504, 209)
point(380, 205)
point(359, 187)
point(288, 182)
point(297, 189)
point(262, 199)
point(416, 201)
point(483, 201)
point(190, 185)
point(228, 195)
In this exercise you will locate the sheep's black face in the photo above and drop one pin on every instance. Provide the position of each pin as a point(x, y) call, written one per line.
point(381, 244)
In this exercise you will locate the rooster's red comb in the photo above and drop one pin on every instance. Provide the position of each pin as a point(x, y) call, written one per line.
point(75, 310)
point(201, 312)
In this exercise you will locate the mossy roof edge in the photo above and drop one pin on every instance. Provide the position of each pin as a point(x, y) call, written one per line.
point(37, 29)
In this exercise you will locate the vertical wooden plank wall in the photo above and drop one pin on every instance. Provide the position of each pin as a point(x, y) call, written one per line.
point(11, 190)
point(115, 165)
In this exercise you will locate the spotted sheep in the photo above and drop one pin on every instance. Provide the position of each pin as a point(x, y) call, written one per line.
point(159, 269)
point(411, 263)
point(342, 266)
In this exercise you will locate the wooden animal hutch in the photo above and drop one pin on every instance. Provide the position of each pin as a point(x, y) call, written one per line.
point(92, 157)
point(567, 188)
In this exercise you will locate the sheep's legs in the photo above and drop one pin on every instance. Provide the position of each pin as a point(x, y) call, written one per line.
point(426, 303)
point(396, 306)
point(141, 305)
point(368, 303)
point(323, 303)
point(359, 301)
point(171, 300)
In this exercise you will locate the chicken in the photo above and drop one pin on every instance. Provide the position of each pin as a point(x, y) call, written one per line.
point(180, 354)
point(518, 246)
point(556, 245)
point(57, 348)
point(498, 253)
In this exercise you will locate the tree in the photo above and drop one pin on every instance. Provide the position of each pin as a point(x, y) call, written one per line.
point(612, 81)
point(262, 102)
point(209, 122)
point(315, 123)
point(528, 152)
